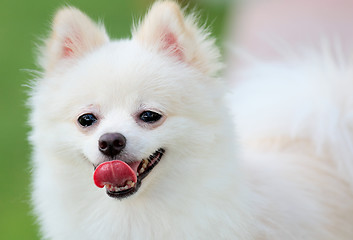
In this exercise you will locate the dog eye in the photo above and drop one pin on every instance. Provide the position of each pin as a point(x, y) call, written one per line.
point(150, 117)
point(87, 120)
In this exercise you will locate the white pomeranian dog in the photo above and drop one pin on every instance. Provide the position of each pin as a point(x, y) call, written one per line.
point(133, 138)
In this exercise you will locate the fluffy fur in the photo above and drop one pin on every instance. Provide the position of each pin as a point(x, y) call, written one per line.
point(288, 178)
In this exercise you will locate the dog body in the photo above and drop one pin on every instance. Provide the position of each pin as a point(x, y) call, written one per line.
point(159, 92)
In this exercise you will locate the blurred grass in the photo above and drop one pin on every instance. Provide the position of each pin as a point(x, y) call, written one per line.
point(22, 24)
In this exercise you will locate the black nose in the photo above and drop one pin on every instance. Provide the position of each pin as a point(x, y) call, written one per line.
point(111, 144)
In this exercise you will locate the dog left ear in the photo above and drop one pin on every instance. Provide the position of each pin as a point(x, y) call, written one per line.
point(167, 30)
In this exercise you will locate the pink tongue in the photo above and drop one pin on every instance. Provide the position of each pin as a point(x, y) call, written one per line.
point(115, 173)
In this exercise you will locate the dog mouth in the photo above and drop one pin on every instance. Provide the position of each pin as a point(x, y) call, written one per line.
point(123, 179)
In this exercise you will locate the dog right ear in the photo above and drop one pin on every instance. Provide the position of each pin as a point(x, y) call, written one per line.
point(73, 35)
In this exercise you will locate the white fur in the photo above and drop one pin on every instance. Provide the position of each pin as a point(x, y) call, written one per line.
point(289, 178)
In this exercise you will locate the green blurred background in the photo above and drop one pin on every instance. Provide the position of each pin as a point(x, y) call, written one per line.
point(22, 24)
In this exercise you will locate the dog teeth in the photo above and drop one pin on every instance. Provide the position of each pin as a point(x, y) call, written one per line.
point(143, 168)
point(145, 163)
point(129, 184)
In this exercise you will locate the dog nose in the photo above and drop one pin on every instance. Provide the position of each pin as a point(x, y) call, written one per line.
point(111, 144)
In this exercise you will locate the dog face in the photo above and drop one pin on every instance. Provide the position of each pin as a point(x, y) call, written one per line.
point(143, 101)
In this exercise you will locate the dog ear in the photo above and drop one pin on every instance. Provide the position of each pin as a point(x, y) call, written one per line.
point(167, 30)
point(73, 35)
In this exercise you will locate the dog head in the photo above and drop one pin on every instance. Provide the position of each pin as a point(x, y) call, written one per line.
point(130, 104)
